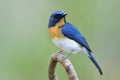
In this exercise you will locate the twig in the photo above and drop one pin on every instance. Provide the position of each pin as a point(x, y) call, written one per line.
point(58, 57)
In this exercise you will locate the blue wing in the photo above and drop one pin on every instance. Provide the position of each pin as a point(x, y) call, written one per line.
point(73, 33)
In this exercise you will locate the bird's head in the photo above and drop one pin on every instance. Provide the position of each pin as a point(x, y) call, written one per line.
point(55, 17)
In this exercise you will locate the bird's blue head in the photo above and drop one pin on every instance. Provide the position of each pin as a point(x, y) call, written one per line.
point(55, 17)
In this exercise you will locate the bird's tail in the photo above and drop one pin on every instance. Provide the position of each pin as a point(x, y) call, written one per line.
point(94, 61)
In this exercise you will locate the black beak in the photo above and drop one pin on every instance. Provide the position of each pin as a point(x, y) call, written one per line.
point(63, 15)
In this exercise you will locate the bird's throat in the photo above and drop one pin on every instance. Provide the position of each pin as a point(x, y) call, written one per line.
point(55, 31)
point(61, 22)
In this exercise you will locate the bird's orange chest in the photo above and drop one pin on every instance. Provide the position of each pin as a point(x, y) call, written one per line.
point(55, 32)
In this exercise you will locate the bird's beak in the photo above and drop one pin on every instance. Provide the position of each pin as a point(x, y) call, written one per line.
point(63, 15)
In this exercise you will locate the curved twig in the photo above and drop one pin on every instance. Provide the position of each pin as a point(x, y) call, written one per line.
point(58, 57)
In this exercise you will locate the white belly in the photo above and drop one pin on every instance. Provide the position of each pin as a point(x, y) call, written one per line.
point(68, 45)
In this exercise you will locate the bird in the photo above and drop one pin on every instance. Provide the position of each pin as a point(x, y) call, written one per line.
point(67, 37)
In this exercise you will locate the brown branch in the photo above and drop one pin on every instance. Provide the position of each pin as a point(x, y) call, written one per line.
point(58, 57)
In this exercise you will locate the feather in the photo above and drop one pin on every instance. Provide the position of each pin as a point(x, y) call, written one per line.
point(73, 33)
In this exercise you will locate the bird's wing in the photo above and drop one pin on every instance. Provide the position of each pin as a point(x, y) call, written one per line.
point(73, 33)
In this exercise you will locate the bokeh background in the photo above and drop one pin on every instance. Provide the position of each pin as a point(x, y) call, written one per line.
point(25, 45)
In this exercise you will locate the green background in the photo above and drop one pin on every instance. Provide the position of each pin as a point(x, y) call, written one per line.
point(25, 45)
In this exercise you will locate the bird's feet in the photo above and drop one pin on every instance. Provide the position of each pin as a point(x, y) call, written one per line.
point(60, 51)
point(68, 55)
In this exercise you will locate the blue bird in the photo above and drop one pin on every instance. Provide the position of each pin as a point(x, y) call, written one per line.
point(67, 37)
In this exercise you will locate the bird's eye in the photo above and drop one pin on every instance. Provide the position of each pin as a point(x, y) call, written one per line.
point(55, 16)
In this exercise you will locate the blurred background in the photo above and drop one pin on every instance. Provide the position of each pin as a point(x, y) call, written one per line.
point(25, 45)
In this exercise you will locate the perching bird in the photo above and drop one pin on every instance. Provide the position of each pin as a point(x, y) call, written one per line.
point(67, 37)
